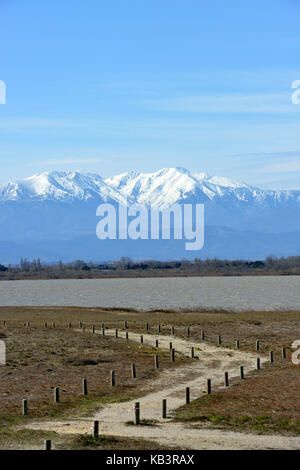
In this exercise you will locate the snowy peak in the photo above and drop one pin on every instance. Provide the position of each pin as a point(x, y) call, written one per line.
point(60, 186)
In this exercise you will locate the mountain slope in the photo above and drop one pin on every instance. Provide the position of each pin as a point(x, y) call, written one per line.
point(55, 210)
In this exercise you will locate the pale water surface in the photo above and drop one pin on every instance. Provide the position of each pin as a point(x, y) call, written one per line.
point(233, 293)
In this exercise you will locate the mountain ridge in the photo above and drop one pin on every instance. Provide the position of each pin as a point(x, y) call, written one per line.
point(161, 188)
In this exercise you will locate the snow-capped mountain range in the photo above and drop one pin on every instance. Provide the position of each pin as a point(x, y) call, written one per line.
point(161, 188)
point(52, 215)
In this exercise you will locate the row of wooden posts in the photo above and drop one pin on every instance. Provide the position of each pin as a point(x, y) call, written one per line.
point(156, 363)
point(137, 409)
point(202, 334)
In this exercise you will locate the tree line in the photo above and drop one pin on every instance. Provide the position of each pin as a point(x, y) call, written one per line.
point(271, 263)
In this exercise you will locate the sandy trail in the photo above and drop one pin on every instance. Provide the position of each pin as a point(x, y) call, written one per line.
point(211, 362)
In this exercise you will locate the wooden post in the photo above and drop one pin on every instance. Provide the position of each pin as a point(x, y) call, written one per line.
point(142, 339)
point(173, 330)
point(173, 355)
point(47, 444)
point(24, 407)
point(147, 326)
point(192, 352)
point(188, 331)
point(156, 343)
point(202, 335)
point(137, 413)
point(257, 345)
point(133, 371)
point(113, 378)
point(242, 375)
point(226, 379)
point(102, 325)
point(219, 342)
point(116, 333)
point(103, 331)
point(283, 352)
point(96, 429)
point(125, 325)
point(45, 324)
point(258, 363)
point(93, 329)
point(271, 356)
point(159, 329)
point(84, 387)
point(237, 344)
point(187, 395)
point(208, 386)
point(164, 408)
point(126, 335)
point(170, 346)
point(56, 394)
point(80, 324)
point(156, 361)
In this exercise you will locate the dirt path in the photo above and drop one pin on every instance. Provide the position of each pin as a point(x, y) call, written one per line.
point(211, 362)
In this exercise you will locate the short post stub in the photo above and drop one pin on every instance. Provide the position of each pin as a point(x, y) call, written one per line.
point(271, 356)
point(56, 394)
point(170, 346)
point(24, 407)
point(142, 339)
point(283, 353)
point(156, 361)
point(237, 344)
point(242, 375)
point(113, 378)
point(192, 352)
point(84, 387)
point(164, 408)
point(208, 386)
point(187, 395)
point(133, 371)
point(173, 355)
point(219, 340)
point(156, 343)
point(137, 413)
point(96, 429)
point(258, 363)
point(226, 379)
point(188, 331)
point(47, 444)
point(257, 345)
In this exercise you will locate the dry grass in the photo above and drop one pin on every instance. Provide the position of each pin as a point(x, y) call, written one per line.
point(40, 359)
point(267, 402)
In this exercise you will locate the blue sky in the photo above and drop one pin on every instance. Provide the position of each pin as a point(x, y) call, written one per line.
point(112, 86)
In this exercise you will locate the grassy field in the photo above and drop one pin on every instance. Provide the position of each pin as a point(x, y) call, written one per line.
point(39, 359)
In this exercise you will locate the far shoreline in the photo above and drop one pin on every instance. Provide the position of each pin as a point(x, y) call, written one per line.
point(126, 275)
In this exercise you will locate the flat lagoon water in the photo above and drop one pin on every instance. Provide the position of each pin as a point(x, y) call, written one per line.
point(230, 293)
